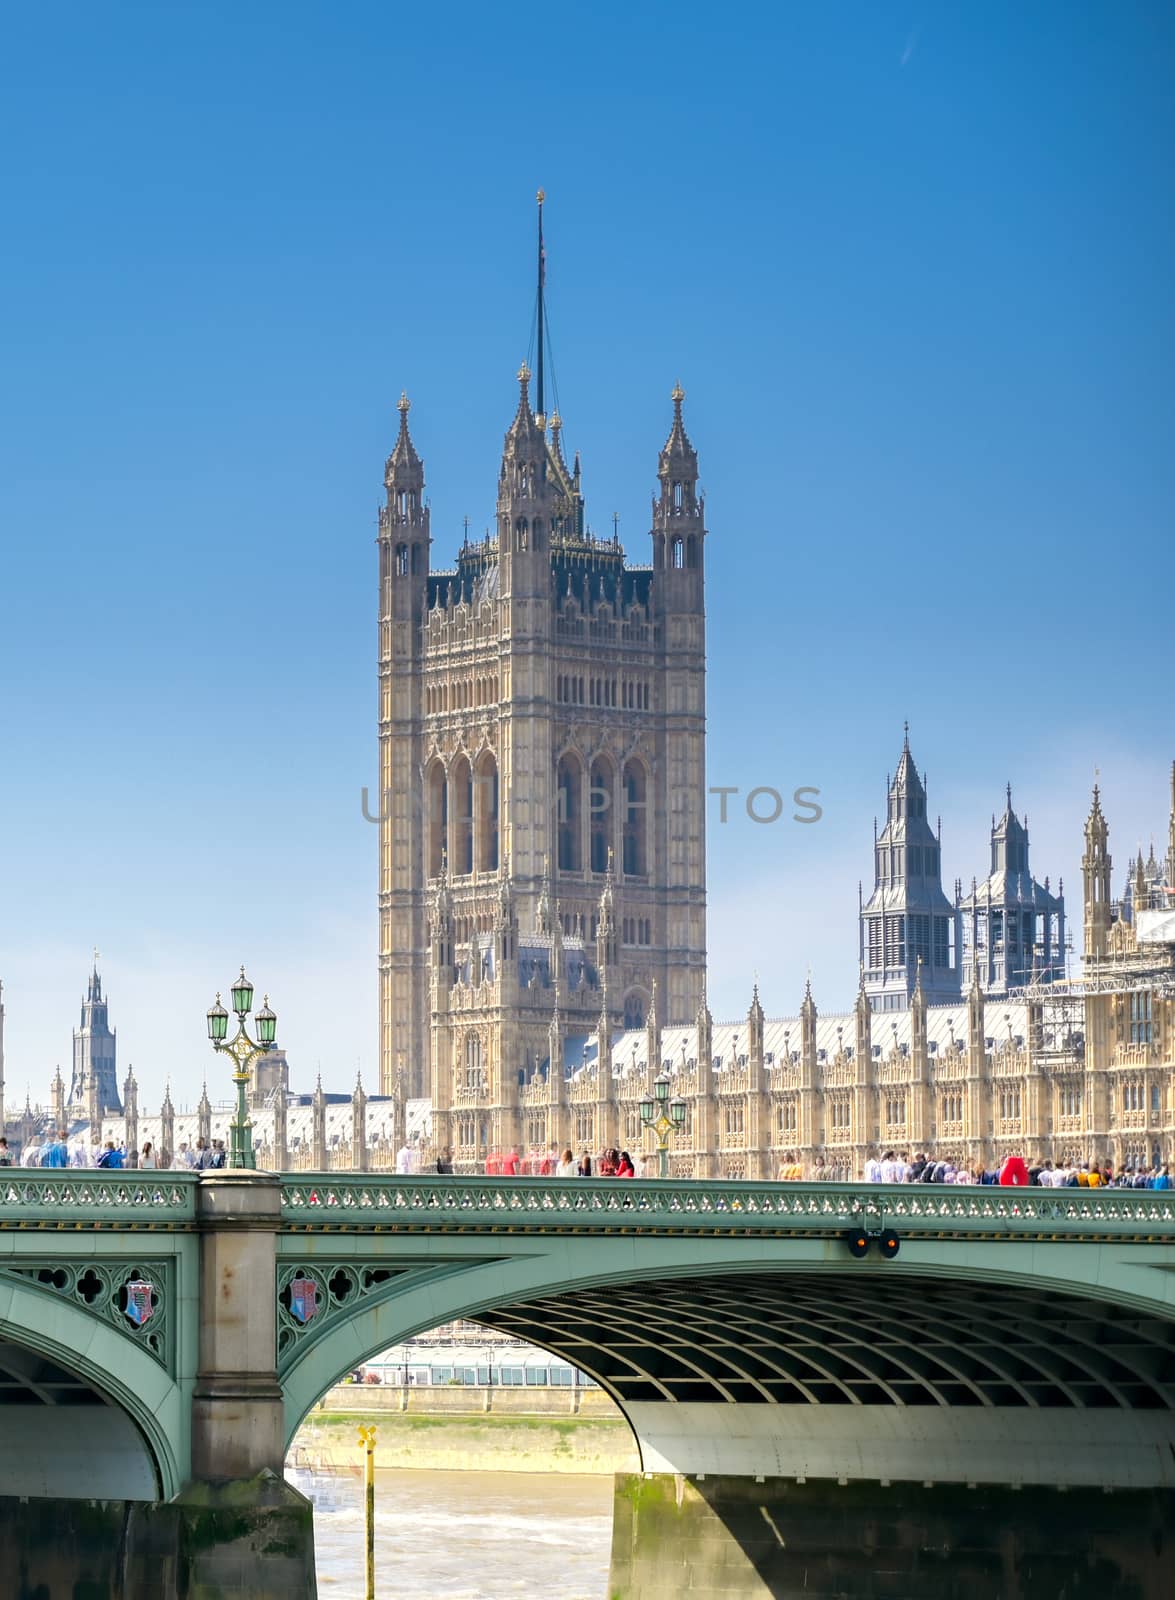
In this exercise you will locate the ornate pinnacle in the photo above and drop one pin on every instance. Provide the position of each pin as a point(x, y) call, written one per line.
point(403, 404)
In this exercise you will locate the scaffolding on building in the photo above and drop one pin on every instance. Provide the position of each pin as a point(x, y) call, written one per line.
point(1057, 1009)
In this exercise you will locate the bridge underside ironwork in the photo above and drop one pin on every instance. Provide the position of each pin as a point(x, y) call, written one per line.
point(795, 1339)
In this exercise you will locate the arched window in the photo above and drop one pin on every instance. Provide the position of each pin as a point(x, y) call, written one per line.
point(636, 788)
point(521, 534)
point(461, 818)
point(570, 814)
point(485, 811)
point(634, 1010)
point(474, 1080)
point(602, 812)
point(401, 561)
point(678, 554)
point(437, 811)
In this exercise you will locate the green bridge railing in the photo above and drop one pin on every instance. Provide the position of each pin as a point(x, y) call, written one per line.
point(367, 1202)
point(371, 1202)
point(51, 1198)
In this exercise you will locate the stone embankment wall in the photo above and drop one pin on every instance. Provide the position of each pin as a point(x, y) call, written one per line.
point(468, 1442)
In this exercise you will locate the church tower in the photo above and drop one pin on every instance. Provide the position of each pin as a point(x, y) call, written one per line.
point(95, 1054)
point(908, 927)
point(542, 722)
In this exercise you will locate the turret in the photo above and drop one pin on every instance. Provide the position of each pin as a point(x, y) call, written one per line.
point(505, 922)
point(652, 1039)
point(607, 944)
point(318, 1127)
point(404, 530)
point(1095, 874)
point(204, 1118)
point(678, 520)
point(525, 503)
point(755, 1030)
point(863, 1031)
point(918, 1051)
point(359, 1126)
point(166, 1128)
point(57, 1097)
point(705, 1033)
point(281, 1156)
point(976, 1025)
point(441, 929)
point(130, 1106)
point(808, 1036)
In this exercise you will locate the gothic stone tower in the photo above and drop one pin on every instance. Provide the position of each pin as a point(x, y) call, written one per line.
point(909, 929)
point(95, 1053)
point(541, 725)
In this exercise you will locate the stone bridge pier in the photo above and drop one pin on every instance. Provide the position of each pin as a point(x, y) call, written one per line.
point(232, 1529)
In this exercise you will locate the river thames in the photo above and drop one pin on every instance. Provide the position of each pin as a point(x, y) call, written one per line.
point(465, 1535)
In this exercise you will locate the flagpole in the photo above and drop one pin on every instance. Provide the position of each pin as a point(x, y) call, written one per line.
point(541, 312)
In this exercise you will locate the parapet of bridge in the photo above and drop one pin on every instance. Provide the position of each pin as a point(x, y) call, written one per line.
point(1011, 1360)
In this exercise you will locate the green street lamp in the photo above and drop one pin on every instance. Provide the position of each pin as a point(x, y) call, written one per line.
point(665, 1116)
point(243, 1052)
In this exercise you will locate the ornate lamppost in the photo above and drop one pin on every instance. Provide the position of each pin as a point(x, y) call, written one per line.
point(666, 1117)
point(243, 1052)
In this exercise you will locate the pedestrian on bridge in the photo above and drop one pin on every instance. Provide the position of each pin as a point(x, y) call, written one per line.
point(56, 1151)
point(1014, 1172)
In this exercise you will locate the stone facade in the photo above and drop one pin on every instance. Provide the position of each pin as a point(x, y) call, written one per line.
point(542, 737)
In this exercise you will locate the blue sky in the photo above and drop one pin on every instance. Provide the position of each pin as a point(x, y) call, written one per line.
point(912, 265)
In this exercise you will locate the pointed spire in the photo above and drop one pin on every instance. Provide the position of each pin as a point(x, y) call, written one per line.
point(678, 461)
point(404, 470)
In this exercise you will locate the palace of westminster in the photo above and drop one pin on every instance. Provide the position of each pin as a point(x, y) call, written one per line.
point(542, 900)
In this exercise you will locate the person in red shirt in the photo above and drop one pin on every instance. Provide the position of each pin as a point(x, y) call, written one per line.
point(1014, 1172)
point(511, 1164)
point(624, 1168)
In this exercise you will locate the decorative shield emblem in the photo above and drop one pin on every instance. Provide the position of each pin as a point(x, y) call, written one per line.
point(140, 1301)
point(303, 1299)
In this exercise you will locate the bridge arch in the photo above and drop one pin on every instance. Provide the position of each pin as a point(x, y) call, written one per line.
point(82, 1405)
point(753, 1356)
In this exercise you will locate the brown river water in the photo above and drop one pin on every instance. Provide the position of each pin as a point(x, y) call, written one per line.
point(464, 1535)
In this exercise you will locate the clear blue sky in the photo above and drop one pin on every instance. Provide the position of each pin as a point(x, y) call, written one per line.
point(913, 266)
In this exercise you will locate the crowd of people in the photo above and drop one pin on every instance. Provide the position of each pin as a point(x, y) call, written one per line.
point(1014, 1172)
point(513, 1163)
point(54, 1150)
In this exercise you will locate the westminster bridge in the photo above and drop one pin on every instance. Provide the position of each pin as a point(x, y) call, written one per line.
point(836, 1390)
